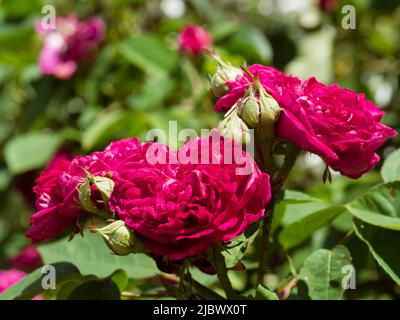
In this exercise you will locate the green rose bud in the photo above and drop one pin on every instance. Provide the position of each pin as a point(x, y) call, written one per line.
point(119, 238)
point(260, 111)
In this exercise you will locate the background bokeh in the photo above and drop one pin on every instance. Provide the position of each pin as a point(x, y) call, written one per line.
point(137, 80)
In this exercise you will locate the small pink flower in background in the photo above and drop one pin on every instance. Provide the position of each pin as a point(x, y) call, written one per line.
point(28, 259)
point(181, 210)
point(337, 124)
point(69, 43)
point(193, 39)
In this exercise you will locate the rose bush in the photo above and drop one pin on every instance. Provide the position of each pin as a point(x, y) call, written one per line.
point(337, 124)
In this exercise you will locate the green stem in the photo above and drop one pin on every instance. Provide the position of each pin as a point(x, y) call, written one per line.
point(276, 185)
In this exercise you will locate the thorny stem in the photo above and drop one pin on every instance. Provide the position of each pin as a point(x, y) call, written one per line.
point(276, 185)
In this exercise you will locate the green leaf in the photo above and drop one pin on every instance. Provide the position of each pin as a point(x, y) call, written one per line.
point(391, 167)
point(31, 285)
point(383, 244)
point(262, 293)
point(120, 278)
point(252, 43)
point(379, 207)
point(66, 289)
point(96, 290)
point(301, 229)
point(91, 256)
point(149, 53)
point(322, 272)
point(14, 36)
point(30, 151)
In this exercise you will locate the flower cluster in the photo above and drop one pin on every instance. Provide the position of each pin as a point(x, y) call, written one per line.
point(337, 124)
point(176, 208)
point(66, 45)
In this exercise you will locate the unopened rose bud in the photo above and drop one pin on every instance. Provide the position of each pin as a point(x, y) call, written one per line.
point(118, 237)
point(225, 72)
point(232, 127)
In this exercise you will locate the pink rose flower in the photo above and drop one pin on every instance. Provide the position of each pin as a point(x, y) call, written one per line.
point(28, 259)
point(179, 210)
point(193, 39)
point(337, 124)
point(70, 42)
point(10, 277)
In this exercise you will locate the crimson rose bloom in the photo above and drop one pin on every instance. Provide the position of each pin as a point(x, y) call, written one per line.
point(193, 39)
point(338, 124)
point(57, 199)
point(179, 210)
